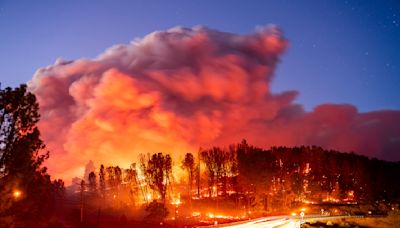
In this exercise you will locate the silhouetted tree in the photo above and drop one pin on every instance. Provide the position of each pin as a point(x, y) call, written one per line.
point(118, 176)
point(26, 191)
point(188, 164)
point(132, 181)
point(256, 166)
point(110, 177)
point(92, 182)
point(146, 177)
point(102, 180)
point(159, 168)
point(215, 160)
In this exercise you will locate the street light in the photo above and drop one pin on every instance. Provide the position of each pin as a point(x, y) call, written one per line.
point(302, 217)
point(17, 194)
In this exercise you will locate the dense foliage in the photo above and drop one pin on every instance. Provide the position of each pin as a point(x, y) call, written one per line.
point(323, 170)
point(280, 177)
point(27, 195)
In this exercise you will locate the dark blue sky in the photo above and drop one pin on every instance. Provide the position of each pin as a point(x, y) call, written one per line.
point(340, 51)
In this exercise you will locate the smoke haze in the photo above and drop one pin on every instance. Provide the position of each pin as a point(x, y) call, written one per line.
point(176, 90)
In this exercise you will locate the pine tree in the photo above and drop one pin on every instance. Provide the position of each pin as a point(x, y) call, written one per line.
point(25, 187)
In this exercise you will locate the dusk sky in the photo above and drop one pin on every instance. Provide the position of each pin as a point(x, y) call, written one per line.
point(118, 78)
point(339, 51)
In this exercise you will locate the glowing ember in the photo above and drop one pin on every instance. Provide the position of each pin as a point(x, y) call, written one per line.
point(177, 200)
point(196, 214)
point(17, 194)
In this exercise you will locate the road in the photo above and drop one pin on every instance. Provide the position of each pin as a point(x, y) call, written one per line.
point(267, 222)
point(279, 221)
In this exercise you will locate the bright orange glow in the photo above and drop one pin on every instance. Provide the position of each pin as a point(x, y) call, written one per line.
point(17, 194)
point(196, 214)
point(308, 202)
point(214, 191)
point(176, 200)
point(211, 215)
point(330, 199)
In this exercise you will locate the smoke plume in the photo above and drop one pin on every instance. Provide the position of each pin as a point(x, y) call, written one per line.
point(176, 90)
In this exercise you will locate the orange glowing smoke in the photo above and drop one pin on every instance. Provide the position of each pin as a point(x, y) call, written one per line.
point(173, 91)
point(169, 92)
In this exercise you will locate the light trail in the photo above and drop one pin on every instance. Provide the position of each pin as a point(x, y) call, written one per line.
point(267, 223)
point(278, 222)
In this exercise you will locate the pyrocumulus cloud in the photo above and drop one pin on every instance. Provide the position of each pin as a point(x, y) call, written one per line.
point(176, 90)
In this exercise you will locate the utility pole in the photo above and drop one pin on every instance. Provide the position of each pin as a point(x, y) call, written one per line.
point(82, 192)
point(198, 173)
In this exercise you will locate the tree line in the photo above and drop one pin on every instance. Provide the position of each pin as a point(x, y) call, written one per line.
point(279, 176)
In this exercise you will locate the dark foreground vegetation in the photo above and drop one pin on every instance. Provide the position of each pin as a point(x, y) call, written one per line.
point(27, 194)
point(225, 184)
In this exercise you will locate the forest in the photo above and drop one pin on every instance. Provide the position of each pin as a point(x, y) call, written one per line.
point(292, 173)
point(239, 180)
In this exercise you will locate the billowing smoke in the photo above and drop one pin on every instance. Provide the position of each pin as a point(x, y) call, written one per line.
point(174, 91)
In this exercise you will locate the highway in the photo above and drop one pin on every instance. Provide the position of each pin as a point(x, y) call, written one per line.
point(278, 221)
point(267, 222)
